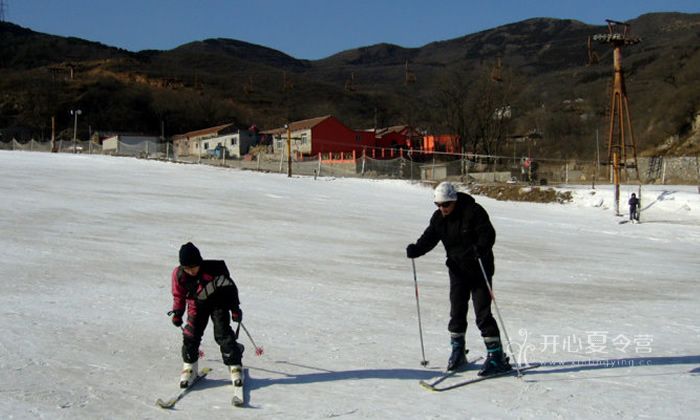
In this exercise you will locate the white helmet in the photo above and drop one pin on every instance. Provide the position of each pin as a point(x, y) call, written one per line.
point(445, 192)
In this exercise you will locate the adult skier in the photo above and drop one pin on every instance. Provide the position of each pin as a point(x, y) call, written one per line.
point(466, 232)
point(634, 208)
point(205, 289)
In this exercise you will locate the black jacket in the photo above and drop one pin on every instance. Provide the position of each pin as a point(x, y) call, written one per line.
point(633, 202)
point(466, 232)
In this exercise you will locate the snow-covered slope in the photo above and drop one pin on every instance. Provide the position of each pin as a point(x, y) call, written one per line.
point(87, 244)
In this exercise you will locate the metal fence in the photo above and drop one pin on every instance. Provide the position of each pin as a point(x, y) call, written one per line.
point(432, 167)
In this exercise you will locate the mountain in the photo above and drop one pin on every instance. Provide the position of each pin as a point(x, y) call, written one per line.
point(538, 67)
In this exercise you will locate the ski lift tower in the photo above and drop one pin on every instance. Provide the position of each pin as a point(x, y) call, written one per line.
point(620, 135)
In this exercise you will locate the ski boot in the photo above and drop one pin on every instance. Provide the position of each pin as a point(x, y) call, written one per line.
point(496, 360)
point(189, 374)
point(236, 375)
point(458, 356)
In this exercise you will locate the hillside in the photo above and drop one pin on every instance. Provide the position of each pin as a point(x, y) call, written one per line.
point(541, 64)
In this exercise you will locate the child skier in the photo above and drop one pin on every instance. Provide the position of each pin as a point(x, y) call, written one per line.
point(206, 290)
point(634, 208)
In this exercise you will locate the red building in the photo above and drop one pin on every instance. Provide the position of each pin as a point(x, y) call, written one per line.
point(397, 136)
point(448, 143)
point(319, 135)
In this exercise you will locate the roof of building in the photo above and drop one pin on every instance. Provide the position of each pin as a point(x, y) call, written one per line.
point(298, 125)
point(203, 131)
point(393, 129)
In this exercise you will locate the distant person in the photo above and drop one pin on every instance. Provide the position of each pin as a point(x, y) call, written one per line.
point(634, 208)
point(206, 290)
point(466, 232)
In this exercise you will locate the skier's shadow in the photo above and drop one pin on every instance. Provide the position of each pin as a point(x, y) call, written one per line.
point(216, 383)
point(535, 375)
point(575, 366)
point(320, 375)
point(324, 375)
point(209, 382)
point(661, 197)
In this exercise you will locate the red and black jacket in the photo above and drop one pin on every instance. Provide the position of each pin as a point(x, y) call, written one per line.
point(211, 288)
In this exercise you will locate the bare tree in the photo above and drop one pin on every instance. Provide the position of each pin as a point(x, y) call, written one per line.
point(477, 109)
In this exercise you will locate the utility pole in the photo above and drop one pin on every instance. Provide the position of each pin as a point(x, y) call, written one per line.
point(289, 150)
point(597, 158)
point(53, 135)
point(620, 136)
point(75, 114)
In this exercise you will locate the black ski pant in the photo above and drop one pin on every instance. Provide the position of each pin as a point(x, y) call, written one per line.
point(223, 334)
point(462, 286)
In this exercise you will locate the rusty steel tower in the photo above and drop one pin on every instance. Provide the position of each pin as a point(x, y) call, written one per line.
point(620, 135)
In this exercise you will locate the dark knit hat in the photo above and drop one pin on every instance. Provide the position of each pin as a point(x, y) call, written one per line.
point(189, 255)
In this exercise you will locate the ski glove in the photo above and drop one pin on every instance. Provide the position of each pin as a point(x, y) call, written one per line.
point(236, 314)
point(476, 252)
point(412, 251)
point(177, 318)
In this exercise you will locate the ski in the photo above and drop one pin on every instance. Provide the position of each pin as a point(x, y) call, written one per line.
point(478, 379)
point(238, 399)
point(448, 373)
point(172, 401)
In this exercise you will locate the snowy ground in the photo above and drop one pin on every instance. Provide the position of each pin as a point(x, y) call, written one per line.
point(88, 242)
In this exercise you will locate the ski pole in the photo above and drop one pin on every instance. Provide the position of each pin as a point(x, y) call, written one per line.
point(498, 313)
point(420, 327)
point(258, 350)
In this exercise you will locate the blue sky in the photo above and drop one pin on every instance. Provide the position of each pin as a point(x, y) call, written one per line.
point(308, 29)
